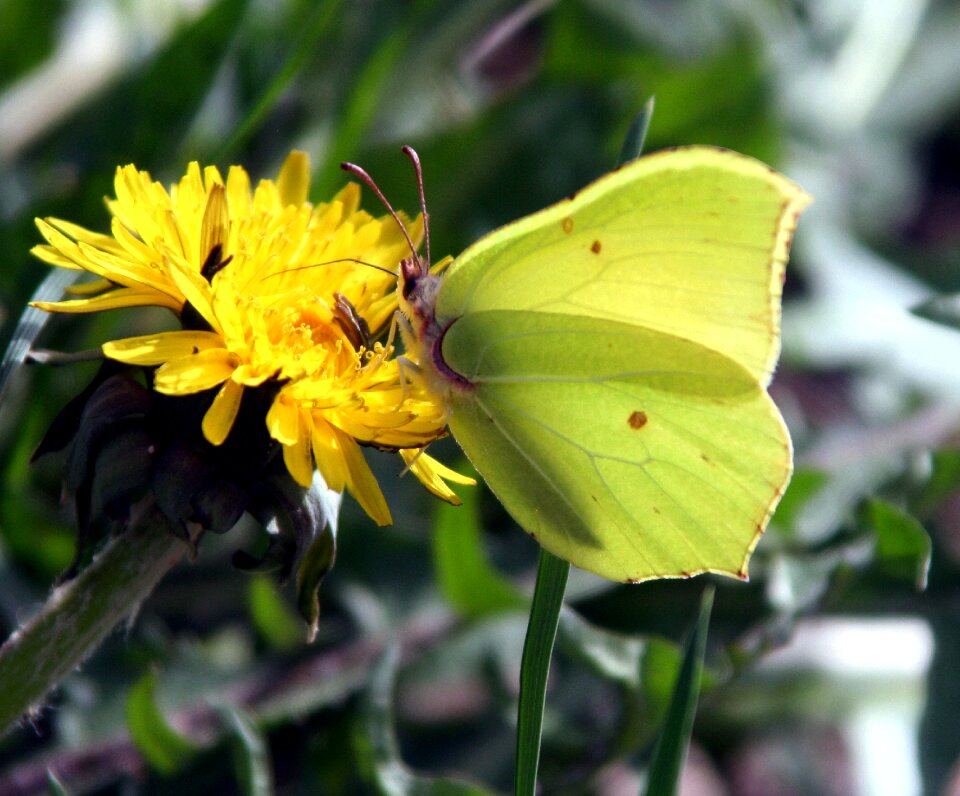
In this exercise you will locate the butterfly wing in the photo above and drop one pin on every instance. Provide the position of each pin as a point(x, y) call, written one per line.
point(629, 452)
point(619, 344)
point(690, 241)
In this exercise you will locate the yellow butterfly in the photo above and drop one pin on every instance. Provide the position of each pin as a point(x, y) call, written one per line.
point(605, 362)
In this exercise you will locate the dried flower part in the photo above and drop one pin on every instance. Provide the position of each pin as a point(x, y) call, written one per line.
point(126, 444)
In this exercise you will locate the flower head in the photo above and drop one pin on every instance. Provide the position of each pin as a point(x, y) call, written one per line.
point(273, 295)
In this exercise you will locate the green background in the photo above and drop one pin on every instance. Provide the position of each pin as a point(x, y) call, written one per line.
point(411, 686)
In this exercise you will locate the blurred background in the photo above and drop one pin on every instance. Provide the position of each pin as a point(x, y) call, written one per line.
point(833, 671)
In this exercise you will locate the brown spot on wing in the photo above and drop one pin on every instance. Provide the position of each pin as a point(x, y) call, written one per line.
point(595, 248)
point(567, 224)
point(637, 420)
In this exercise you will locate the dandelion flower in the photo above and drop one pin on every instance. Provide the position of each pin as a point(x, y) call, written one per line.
point(273, 294)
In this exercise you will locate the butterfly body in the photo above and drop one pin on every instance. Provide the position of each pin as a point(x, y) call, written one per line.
point(418, 297)
point(604, 363)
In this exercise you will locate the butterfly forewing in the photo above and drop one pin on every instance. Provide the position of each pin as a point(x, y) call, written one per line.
point(692, 242)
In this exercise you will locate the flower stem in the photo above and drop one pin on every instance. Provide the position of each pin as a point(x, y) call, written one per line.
point(79, 614)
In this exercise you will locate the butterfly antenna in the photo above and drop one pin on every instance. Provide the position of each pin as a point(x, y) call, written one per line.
point(411, 153)
point(354, 260)
point(358, 171)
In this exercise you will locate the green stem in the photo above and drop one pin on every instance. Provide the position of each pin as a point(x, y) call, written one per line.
point(79, 614)
point(535, 666)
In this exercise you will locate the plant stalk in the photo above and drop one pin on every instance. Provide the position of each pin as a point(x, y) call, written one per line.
point(79, 614)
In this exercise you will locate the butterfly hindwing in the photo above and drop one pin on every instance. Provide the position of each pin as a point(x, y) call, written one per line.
point(629, 452)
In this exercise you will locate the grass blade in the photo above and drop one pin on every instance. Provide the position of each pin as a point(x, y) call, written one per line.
point(535, 666)
point(637, 134)
point(671, 751)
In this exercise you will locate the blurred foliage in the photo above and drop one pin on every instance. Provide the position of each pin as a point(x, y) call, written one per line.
point(411, 684)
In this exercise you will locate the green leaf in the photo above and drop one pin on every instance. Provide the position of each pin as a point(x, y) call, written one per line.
point(376, 749)
point(466, 578)
point(165, 749)
point(942, 483)
point(803, 486)
point(903, 545)
point(944, 310)
point(659, 670)
point(313, 565)
point(671, 749)
point(251, 753)
point(271, 615)
point(611, 655)
point(535, 666)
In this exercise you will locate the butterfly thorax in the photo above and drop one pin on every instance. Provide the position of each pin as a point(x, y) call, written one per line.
point(424, 337)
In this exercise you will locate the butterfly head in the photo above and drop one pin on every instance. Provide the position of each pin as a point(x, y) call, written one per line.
point(418, 288)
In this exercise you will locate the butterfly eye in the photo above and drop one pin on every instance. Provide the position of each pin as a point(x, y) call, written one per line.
point(410, 272)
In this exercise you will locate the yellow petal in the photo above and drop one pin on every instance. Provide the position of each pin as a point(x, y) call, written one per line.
point(81, 234)
point(238, 195)
point(283, 421)
point(445, 472)
point(195, 373)
point(124, 271)
point(115, 299)
point(293, 182)
point(432, 473)
point(226, 305)
point(219, 418)
point(349, 200)
point(251, 376)
point(52, 256)
point(195, 288)
point(214, 231)
point(328, 455)
point(92, 288)
point(361, 482)
point(299, 461)
point(154, 349)
point(133, 246)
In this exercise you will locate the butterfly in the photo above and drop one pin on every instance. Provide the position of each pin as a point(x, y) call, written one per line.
point(604, 362)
